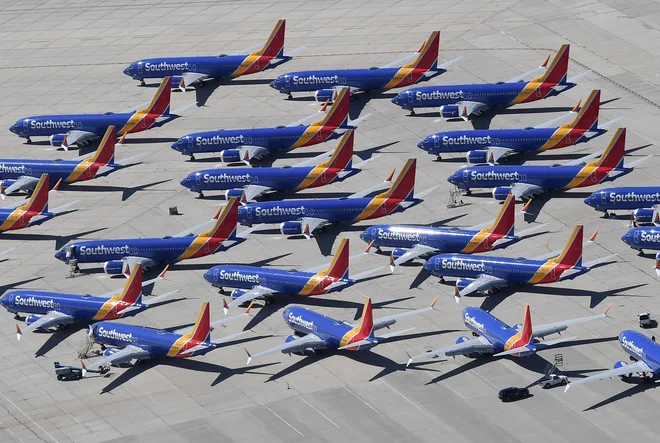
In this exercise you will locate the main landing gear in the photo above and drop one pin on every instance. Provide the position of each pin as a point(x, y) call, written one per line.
point(412, 112)
point(200, 195)
point(28, 140)
point(142, 83)
point(442, 279)
point(289, 96)
point(192, 158)
point(640, 253)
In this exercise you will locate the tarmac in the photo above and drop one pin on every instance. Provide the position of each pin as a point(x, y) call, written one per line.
point(62, 57)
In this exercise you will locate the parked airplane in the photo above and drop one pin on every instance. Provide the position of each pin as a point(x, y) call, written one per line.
point(32, 211)
point(487, 273)
point(303, 216)
point(322, 82)
point(266, 283)
point(643, 351)
point(47, 309)
point(187, 70)
point(315, 332)
point(235, 145)
point(491, 145)
point(69, 129)
point(23, 175)
point(249, 183)
point(119, 256)
point(495, 338)
point(640, 199)
point(526, 181)
point(645, 237)
point(131, 344)
point(463, 101)
point(410, 241)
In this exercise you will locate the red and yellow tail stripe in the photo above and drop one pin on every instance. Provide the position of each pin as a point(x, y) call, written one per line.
point(20, 217)
point(258, 60)
point(595, 171)
point(362, 330)
point(540, 87)
point(145, 117)
point(199, 334)
point(327, 171)
point(569, 134)
point(105, 153)
point(209, 241)
point(386, 202)
point(410, 73)
point(337, 270)
point(524, 336)
point(129, 296)
point(551, 270)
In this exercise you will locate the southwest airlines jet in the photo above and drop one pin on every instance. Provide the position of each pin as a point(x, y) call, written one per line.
point(23, 175)
point(526, 181)
point(266, 283)
point(69, 129)
point(495, 338)
point(464, 101)
point(33, 211)
point(119, 256)
point(486, 274)
point(249, 183)
point(303, 216)
point(644, 353)
point(47, 309)
point(639, 199)
point(491, 145)
point(187, 70)
point(410, 241)
point(236, 145)
point(315, 332)
point(423, 68)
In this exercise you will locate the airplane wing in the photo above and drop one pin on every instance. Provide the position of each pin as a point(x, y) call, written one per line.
point(314, 160)
point(384, 322)
point(249, 50)
point(256, 292)
point(249, 152)
point(523, 190)
point(448, 63)
point(53, 318)
point(308, 342)
point(132, 109)
point(481, 284)
point(590, 264)
point(466, 108)
point(144, 283)
point(76, 136)
point(400, 62)
point(479, 344)
point(583, 160)
point(534, 72)
point(412, 253)
point(632, 164)
point(23, 183)
point(131, 261)
point(310, 224)
point(496, 152)
point(562, 119)
point(306, 121)
point(130, 352)
point(188, 78)
point(253, 191)
point(602, 128)
point(53, 212)
point(378, 187)
point(638, 366)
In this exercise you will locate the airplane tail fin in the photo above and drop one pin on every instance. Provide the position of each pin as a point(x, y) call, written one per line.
point(160, 104)
point(366, 325)
point(403, 188)
point(526, 332)
point(38, 202)
point(337, 115)
point(338, 269)
point(428, 54)
point(587, 118)
point(613, 155)
point(342, 158)
point(132, 292)
point(226, 221)
point(557, 71)
point(571, 255)
point(503, 224)
point(274, 46)
point(105, 153)
point(202, 329)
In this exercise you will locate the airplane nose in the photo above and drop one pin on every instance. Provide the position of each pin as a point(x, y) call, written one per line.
point(451, 179)
point(12, 128)
point(626, 237)
point(395, 100)
point(275, 84)
point(175, 146)
point(208, 276)
point(186, 182)
point(60, 255)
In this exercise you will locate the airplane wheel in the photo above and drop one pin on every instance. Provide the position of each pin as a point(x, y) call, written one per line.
point(640, 253)
point(142, 83)
point(438, 157)
point(201, 194)
point(192, 158)
point(412, 112)
point(442, 280)
point(289, 96)
point(28, 140)
point(60, 377)
point(468, 192)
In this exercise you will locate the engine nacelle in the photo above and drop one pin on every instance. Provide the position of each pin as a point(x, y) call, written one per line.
point(501, 192)
point(621, 364)
point(398, 252)
point(449, 111)
point(114, 267)
point(57, 139)
point(291, 228)
point(109, 351)
point(230, 155)
point(237, 293)
point(323, 95)
point(32, 318)
point(462, 339)
point(176, 81)
point(238, 193)
point(290, 338)
point(462, 283)
point(4, 184)
point(477, 157)
point(641, 215)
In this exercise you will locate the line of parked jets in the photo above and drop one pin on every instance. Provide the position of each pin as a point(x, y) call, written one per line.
point(448, 252)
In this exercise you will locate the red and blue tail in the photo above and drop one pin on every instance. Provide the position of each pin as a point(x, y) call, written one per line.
point(202, 330)
point(338, 269)
point(571, 255)
point(503, 224)
point(274, 46)
point(337, 115)
point(428, 54)
point(612, 158)
point(557, 72)
point(160, 104)
point(105, 153)
point(366, 326)
point(226, 221)
point(342, 158)
point(38, 202)
point(132, 292)
point(587, 118)
point(403, 188)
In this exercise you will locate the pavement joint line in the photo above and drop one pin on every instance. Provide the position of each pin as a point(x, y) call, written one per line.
point(321, 413)
point(402, 396)
point(286, 422)
point(363, 401)
point(453, 390)
point(29, 418)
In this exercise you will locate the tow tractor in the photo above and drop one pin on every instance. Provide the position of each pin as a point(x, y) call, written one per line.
point(67, 373)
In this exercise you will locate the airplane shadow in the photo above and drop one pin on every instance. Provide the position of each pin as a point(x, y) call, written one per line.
point(14, 285)
point(58, 337)
point(640, 385)
point(421, 277)
point(126, 191)
point(360, 100)
point(60, 240)
point(205, 88)
point(139, 141)
point(596, 296)
point(484, 120)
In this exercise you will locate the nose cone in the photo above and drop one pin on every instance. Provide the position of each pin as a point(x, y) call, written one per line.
point(626, 238)
point(176, 145)
point(4, 299)
point(591, 200)
point(187, 182)
point(422, 144)
point(275, 84)
point(396, 99)
point(14, 128)
point(208, 276)
point(452, 179)
point(60, 255)
point(127, 71)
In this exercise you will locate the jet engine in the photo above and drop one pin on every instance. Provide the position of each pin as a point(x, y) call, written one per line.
point(477, 157)
point(449, 111)
point(501, 192)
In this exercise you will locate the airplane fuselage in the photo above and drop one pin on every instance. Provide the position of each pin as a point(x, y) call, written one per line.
point(641, 348)
point(645, 237)
point(624, 198)
point(66, 170)
point(486, 325)
point(47, 125)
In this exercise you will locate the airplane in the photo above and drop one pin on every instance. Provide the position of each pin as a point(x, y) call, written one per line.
point(410, 241)
point(47, 309)
point(304, 216)
point(494, 338)
point(66, 130)
point(186, 71)
point(485, 274)
point(32, 211)
point(526, 181)
point(119, 256)
point(464, 101)
point(316, 332)
point(126, 344)
point(640, 199)
point(643, 237)
point(644, 353)
point(266, 283)
point(249, 183)
point(323, 82)
point(491, 145)
point(23, 175)
point(236, 145)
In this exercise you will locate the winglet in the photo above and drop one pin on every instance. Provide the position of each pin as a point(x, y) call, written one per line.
point(526, 206)
point(247, 311)
point(545, 62)
point(325, 106)
point(162, 274)
point(457, 295)
point(121, 139)
point(567, 388)
point(371, 243)
point(392, 265)
point(434, 301)
point(57, 185)
point(391, 176)
point(306, 232)
point(607, 310)
point(84, 368)
point(19, 334)
point(593, 236)
point(410, 360)
point(225, 307)
point(575, 109)
point(249, 357)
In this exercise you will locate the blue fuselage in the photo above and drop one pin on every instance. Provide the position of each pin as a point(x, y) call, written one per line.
point(646, 237)
point(364, 79)
point(624, 198)
point(641, 348)
point(47, 125)
point(493, 329)
point(212, 66)
point(12, 169)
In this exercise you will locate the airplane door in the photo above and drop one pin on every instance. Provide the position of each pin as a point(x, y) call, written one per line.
point(139, 67)
point(26, 124)
point(319, 136)
point(324, 179)
point(603, 198)
point(465, 176)
point(636, 236)
point(191, 142)
point(287, 80)
point(436, 141)
point(198, 179)
point(411, 79)
point(539, 93)
point(207, 248)
point(249, 212)
point(215, 274)
point(410, 97)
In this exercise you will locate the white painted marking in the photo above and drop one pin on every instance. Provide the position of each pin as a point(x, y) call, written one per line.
point(286, 422)
point(321, 413)
point(29, 418)
point(402, 396)
point(362, 400)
